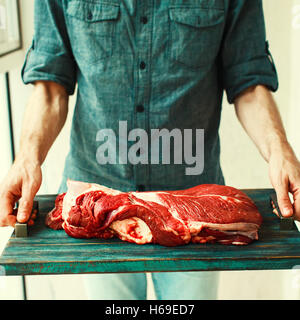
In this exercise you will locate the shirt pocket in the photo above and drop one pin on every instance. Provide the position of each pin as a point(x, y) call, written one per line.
point(91, 29)
point(195, 35)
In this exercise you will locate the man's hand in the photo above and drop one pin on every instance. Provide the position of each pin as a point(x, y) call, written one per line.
point(258, 114)
point(21, 183)
point(284, 171)
point(45, 116)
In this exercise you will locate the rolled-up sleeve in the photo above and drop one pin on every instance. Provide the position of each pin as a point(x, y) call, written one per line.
point(50, 56)
point(246, 58)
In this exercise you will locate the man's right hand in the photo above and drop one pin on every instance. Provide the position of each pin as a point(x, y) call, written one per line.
point(44, 117)
point(21, 183)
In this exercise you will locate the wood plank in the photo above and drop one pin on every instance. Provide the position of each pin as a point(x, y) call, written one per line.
point(47, 251)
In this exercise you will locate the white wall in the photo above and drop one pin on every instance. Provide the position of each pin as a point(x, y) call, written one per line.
point(235, 145)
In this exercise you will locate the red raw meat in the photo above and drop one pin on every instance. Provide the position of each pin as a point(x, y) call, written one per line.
point(202, 214)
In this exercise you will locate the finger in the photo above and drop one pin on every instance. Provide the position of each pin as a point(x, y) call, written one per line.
point(8, 220)
point(7, 204)
point(297, 205)
point(11, 220)
point(30, 222)
point(284, 201)
point(276, 212)
point(25, 204)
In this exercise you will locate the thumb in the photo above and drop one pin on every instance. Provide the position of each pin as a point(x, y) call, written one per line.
point(25, 205)
point(284, 201)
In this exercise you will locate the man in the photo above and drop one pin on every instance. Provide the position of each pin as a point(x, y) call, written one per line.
point(154, 64)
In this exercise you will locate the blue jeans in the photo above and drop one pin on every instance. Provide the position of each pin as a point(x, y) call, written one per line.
point(167, 285)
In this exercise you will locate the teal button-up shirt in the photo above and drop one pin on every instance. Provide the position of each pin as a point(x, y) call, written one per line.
point(154, 64)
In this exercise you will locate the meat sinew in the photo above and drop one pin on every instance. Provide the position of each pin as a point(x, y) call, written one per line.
point(202, 214)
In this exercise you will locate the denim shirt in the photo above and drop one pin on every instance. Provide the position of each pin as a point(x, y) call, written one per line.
point(155, 64)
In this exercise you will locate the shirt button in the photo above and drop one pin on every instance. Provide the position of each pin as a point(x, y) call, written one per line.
point(141, 187)
point(142, 65)
point(140, 108)
point(89, 15)
point(144, 20)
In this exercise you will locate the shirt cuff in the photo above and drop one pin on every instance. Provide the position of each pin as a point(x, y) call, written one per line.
point(260, 71)
point(49, 67)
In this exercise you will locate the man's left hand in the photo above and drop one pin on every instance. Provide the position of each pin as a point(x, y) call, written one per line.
point(284, 171)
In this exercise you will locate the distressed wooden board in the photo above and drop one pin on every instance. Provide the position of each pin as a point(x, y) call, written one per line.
point(47, 251)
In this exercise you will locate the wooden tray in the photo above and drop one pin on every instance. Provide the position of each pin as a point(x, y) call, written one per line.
point(47, 251)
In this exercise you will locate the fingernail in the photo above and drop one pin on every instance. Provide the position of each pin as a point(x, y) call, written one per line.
point(287, 211)
point(22, 215)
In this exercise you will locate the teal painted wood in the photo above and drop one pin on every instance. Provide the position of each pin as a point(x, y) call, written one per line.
point(47, 251)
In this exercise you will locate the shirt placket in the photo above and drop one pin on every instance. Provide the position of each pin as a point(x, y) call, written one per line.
point(142, 90)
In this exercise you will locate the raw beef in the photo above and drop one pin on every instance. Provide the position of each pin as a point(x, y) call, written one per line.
point(202, 214)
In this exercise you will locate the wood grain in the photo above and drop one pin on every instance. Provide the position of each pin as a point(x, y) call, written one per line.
point(47, 251)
